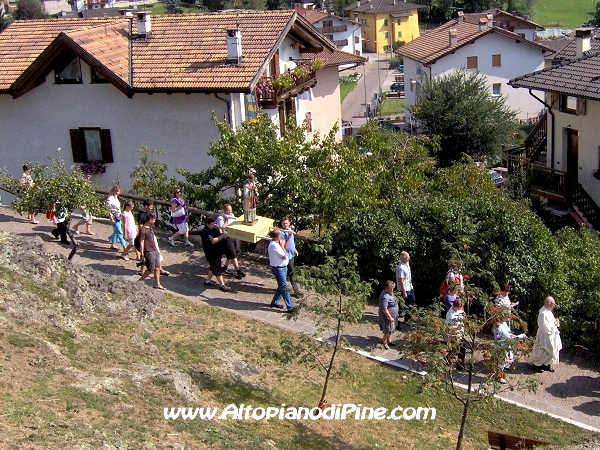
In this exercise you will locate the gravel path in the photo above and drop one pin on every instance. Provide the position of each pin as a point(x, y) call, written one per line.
point(572, 392)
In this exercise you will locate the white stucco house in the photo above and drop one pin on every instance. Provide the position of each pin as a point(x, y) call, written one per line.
point(496, 53)
point(343, 32)
point(102, 88)
point(573, 136)
point(521, 26)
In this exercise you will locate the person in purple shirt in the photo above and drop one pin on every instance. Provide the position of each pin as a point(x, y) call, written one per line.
point(179, 213)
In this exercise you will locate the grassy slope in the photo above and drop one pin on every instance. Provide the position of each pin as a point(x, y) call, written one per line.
point(44, 406)
point(563, 13)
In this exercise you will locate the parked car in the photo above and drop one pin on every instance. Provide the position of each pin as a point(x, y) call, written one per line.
point(496, 178)
point(387, 125)
point(397, 87)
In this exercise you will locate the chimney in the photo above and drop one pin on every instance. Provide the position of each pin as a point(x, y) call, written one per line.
point(583, 41)
point(144, 27)
point(358, 3)
point(234, 46)
point(393, 2)
point(490, 20)
point(482, 24)
point(461, 17)
point(452, 35)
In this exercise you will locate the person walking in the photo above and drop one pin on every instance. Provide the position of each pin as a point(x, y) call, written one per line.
point(388, 314)
point(86, 219)
point(290, 246)
point(404, 282)
point(147, 208)
point(150, 252)
point(61, 218)
point(180, 215)
point(115, 214)
point(211, 244)
point(230, 245)
point(278, 260)
point(27, 181)
point(547, 345)
point(129, 231)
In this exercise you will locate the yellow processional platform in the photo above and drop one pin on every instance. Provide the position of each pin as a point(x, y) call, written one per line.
point(250, 232)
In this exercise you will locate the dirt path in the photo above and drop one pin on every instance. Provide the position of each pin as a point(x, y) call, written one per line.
point(572, 392)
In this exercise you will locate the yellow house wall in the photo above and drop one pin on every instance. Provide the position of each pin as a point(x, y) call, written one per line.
point(374, 31)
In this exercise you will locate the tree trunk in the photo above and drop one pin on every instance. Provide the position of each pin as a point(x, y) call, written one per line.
point(335, 349)
point(463, 423)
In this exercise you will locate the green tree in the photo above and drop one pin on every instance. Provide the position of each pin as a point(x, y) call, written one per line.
point(460, 109)
point(29, 9)
point(172, 6)
point(318, 178)
point(437, 345)
point(55, 183)
point(580, 305)
point(336, 297)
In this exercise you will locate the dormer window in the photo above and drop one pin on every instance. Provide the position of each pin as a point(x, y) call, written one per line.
point(97, 78)
point(69, 74)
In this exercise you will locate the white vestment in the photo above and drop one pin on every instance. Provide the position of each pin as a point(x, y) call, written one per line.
point(547, 342)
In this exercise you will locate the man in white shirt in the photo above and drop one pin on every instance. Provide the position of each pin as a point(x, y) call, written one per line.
point(278, 260)
point(404, 282)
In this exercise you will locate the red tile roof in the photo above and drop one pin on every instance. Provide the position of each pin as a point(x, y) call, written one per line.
point(182, 53)
point(434, 44)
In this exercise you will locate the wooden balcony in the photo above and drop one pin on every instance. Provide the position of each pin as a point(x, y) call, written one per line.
point(558, 186)
point(341, 42)
point(270, 98)
point(336, 29)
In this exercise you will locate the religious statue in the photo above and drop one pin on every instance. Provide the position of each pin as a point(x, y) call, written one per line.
point(250, 198)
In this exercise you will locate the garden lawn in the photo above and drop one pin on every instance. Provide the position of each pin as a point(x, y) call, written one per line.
point(346, 86)
point(391, 106)
point(563, 13)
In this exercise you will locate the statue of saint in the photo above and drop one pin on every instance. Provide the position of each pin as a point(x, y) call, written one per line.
point(250, 198)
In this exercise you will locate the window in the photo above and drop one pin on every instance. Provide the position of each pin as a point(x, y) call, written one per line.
point(329, 36)
point(399, 21)
point(412, 84)
point(363, 21)
point(496, 60)
point(97, 78)
point(357, 39)
point(385, 22)
point(91, 144)
point(497, 89)
point(308, 122)
point(471, 62)
point(387, 48)
point(386, 35)
point(568, 104)
point(521, 35)
point(328, 23)
point(69, 73)
point(399, 34)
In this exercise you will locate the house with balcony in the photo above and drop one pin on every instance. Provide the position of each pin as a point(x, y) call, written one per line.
point(521, 26)
point(385, 22)
point(565, 158)
point(101, 88)
point(344, 33)
point(495, 53)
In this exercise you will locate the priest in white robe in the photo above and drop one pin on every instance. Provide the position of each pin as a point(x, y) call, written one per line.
point(547, 342)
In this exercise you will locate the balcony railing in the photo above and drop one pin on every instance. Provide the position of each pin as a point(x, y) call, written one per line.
point(336, 29)
point(269, 94)
point(341, 42)
point(560, 186)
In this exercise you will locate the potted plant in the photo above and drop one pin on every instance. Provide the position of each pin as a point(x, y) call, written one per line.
point(92, 167)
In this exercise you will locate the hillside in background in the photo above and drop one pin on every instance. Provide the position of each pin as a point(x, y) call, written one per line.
point(563, 13)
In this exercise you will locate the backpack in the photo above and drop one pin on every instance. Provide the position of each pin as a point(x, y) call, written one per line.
point(444, 288)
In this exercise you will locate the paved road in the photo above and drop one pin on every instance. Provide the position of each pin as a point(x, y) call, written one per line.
point(375, 73)
point(572, 393)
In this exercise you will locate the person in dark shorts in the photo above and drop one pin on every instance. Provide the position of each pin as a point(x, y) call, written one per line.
point(212, 243)
point(149, 251)
point(230, 245)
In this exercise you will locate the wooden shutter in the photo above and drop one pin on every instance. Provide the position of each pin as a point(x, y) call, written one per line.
point(580, 106)
point(554, 98)
point(79, 155)
point(106, 144)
